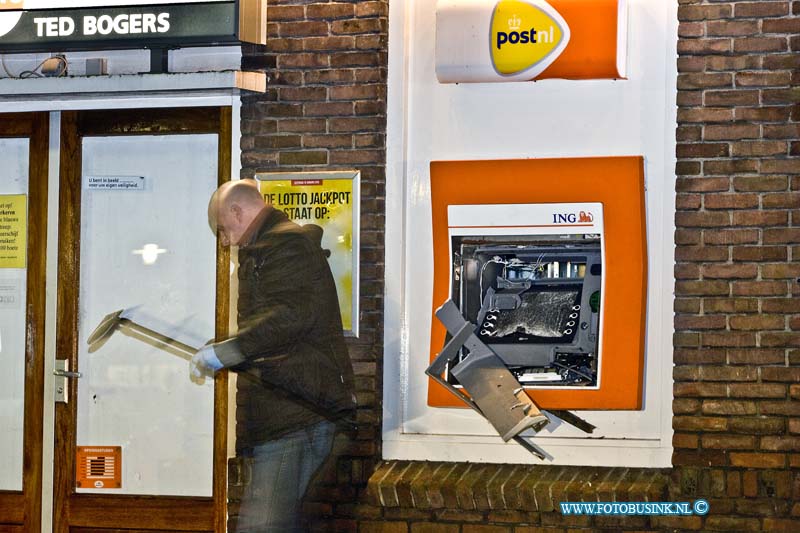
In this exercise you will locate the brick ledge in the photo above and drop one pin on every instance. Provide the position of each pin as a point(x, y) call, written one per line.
point(481, 487)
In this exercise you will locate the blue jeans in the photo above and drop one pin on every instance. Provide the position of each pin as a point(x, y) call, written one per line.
point(282, 470)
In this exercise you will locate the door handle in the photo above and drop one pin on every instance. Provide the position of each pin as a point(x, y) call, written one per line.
point(66, 374)
point(62, 374)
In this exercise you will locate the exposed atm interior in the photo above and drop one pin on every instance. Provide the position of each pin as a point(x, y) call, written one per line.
point(535, 300)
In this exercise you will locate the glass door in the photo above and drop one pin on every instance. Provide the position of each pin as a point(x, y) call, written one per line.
point(23, 223)
point(140, 441)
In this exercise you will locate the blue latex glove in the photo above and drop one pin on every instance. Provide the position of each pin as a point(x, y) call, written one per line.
point(203, 364)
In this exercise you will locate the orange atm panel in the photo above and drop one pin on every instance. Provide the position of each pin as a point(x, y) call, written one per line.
point(607, 235)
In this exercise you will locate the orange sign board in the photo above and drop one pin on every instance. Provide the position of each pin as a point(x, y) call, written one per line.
point(522, 40)
point(617, 183)
point(98, 467)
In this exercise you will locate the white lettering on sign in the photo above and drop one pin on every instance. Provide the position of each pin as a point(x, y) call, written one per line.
point(104, 25)
point(54, 26)
point(126, 24)
point(114, 183)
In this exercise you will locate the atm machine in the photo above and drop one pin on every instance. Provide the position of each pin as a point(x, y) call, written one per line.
point(526, 280)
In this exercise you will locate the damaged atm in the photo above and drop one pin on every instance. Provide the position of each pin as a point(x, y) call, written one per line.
point(534, 290)
point(526, 284)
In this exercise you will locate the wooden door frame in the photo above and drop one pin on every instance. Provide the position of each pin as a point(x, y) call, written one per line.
point(174, 513)
point(23, 510)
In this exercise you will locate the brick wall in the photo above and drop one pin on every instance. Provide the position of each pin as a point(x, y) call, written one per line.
point(737, 305)
point(737, 321)
point(325, 109)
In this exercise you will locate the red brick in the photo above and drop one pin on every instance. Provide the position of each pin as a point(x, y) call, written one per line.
point(761, 9)
point(704, 12)
point(702, 184)
point(731, 236)
point(730, 305)
point(730, 201)
point(763, 114)
point(756, 390)
point(758, 288)
point(781, 201)
point(761, 425)
point(737, 63)
point(728, 407)
point(706, 114)
point(731, 166)
point(704, 80)
point(781, 271)
point(700, 322)
point(757, 460)
point(702, 150)
point(720, 28)
point(701, 458)
point(781, 305)
point(781, 444)
point(760, 218)
point(701, 288)
point(781, 131)
point(731, 339)
point(759, 148)
point(788, 525)
point(699, 423)
point(758, 322)
point(734, 132)
point(759, 253)
point(699, 390)
point(728, 442)
point(329, 11)
point(788, 25)
point(701, 253)
point(760, 44)
point(758, 356)
point(732, 98)
point(780, 373)
point(763, 79)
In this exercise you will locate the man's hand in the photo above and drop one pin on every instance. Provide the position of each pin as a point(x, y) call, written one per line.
point(204, 363)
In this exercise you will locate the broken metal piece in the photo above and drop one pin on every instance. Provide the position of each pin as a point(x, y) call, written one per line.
point(493, 390)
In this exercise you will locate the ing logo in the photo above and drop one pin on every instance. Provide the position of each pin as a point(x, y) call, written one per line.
point(526, 36)
point(584, 217)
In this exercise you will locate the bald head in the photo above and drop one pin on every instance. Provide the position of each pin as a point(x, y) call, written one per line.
point(233, 206)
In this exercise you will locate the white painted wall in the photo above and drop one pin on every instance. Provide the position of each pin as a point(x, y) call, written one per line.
point(428, 121)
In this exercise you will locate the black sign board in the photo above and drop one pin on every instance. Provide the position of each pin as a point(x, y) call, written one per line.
point(139, 26)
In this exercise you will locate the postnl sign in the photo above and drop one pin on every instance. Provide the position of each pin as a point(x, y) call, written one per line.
point(523, 40)
point(525, 36)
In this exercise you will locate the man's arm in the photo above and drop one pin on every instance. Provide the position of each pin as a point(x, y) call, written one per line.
point(283, 290)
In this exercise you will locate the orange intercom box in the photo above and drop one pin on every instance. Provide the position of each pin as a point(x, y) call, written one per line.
point(617, 183)
point(98, 467)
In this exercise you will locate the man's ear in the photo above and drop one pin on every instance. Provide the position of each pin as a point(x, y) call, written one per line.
point(237, 212)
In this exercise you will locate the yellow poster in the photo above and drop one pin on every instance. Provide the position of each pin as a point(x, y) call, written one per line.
point(329, 200)
point(13, 230)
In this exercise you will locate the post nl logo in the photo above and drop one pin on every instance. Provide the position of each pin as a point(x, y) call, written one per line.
point(8, 21)
point(526, 35)
point(11, 4)
point(582, 217)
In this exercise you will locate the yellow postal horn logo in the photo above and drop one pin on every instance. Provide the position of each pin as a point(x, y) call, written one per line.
point(526, 37)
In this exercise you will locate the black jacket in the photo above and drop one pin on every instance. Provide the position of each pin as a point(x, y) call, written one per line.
point(290, 335)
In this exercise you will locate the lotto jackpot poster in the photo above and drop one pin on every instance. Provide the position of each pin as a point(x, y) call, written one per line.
point(329, 200)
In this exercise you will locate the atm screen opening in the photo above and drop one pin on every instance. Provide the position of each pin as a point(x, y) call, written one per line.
point(535, 301)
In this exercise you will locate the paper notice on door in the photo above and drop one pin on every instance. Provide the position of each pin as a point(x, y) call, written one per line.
point(114, 183)
point(9, 294)
point(13, 230)
point(98, 467)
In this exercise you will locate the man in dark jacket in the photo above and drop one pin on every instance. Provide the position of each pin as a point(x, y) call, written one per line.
point(296, 379)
